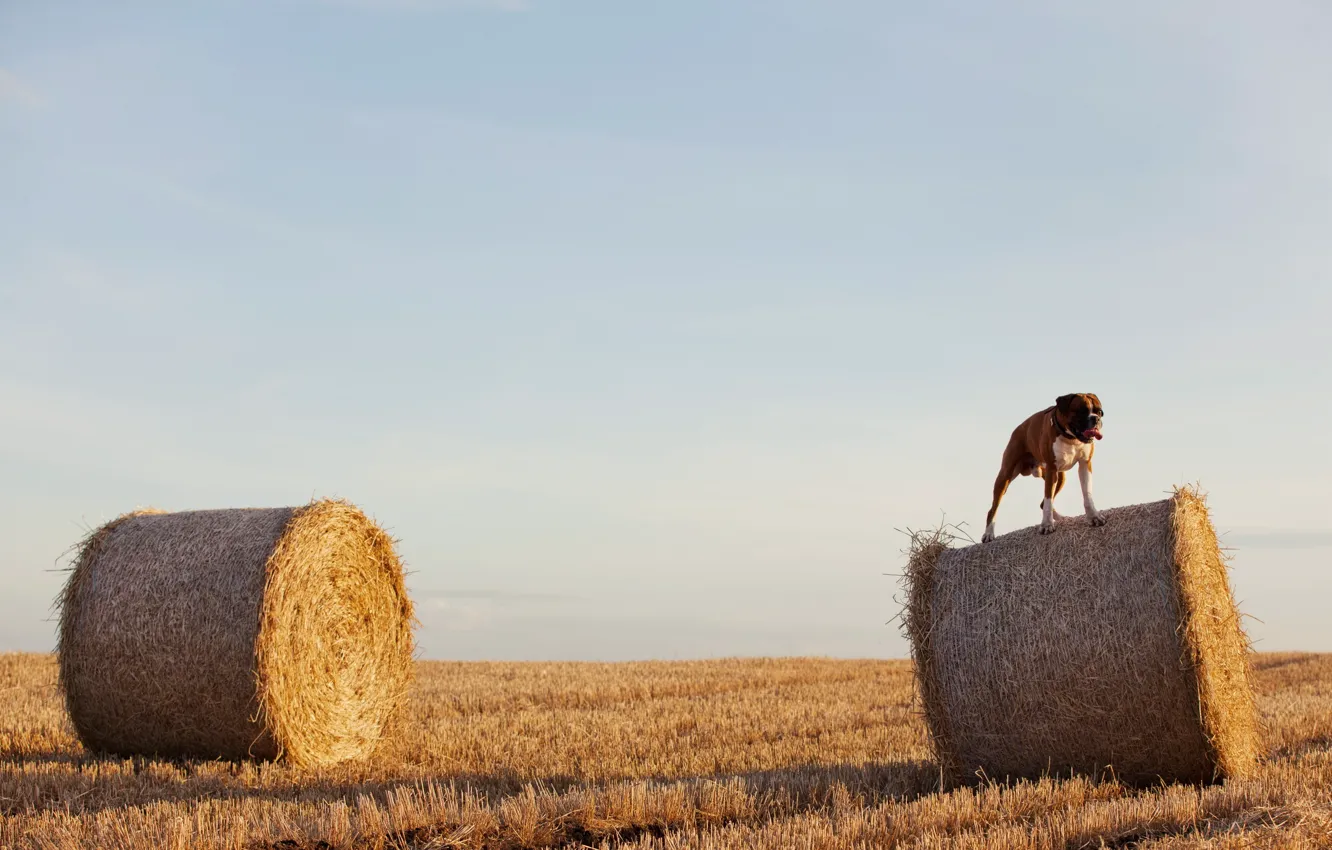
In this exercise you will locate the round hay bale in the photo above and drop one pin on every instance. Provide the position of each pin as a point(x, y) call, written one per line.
point(243, 633)
point(1113, 651)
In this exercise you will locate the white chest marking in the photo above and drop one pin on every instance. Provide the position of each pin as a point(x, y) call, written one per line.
point(1068, 453)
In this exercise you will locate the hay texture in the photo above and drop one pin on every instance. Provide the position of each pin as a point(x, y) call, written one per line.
point(245, 633)
point(1113, 651)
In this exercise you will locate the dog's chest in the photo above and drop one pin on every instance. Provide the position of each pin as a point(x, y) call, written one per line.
point(1068, 453)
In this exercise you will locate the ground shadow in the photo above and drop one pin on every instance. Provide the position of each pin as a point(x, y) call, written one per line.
point(95, 783)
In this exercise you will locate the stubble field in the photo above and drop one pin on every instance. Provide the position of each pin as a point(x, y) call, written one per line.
point(709, 754)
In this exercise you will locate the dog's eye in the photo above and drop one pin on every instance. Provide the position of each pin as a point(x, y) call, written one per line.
point(1099, 412)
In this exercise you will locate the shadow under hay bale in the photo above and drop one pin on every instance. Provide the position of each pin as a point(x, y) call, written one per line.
point(1105, 651)
point(243, 633)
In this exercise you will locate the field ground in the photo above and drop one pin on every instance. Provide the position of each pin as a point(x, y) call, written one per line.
point(711, 754)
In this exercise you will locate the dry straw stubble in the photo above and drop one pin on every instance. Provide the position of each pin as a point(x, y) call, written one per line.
point(1114, 650)
point(240, 633)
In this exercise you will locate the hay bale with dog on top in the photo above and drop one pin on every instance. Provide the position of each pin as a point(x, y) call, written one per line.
point(242, 633)
point(1113, 651)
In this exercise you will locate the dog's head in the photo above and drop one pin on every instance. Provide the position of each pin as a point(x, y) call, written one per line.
point(1080, 414)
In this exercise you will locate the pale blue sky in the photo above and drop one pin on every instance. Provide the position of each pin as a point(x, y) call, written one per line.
point(644, 325)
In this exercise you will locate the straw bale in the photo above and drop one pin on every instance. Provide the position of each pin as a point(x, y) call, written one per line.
point(241, 633)
point(1105, 651)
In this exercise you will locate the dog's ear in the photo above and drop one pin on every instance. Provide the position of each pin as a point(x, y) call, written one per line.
point(1064, 404)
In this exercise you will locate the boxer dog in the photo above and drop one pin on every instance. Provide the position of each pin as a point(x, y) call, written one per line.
point(1047, 445)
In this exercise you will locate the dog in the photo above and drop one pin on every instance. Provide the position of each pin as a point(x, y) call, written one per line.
point(1047, 444)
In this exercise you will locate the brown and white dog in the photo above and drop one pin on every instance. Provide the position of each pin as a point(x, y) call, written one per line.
point(1047, 445)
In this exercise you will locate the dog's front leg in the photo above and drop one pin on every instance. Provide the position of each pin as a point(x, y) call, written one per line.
point(1047, 506)
point(1085, 479)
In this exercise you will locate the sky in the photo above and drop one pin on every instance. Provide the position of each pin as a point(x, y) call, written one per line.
point(648, 328)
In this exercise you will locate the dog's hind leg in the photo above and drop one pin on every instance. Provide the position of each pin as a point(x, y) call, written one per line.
point(1006, 476)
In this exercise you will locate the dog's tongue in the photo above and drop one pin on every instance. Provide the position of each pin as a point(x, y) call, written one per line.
point(1092, 432)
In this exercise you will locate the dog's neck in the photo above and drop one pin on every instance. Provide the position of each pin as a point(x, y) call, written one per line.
point(1064, 432)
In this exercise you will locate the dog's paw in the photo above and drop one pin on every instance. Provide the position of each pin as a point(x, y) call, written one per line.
point(1047, 528)
point(987, 537)
point(1097, 519)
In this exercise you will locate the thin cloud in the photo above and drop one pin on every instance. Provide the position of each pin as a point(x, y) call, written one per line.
point(493, 595)
point(477, 610)
point(432, 5)
point(231, 213)
point(14, 90)
point(1278, 540)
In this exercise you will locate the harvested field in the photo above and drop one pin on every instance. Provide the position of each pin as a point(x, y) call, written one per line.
point(711, 754)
